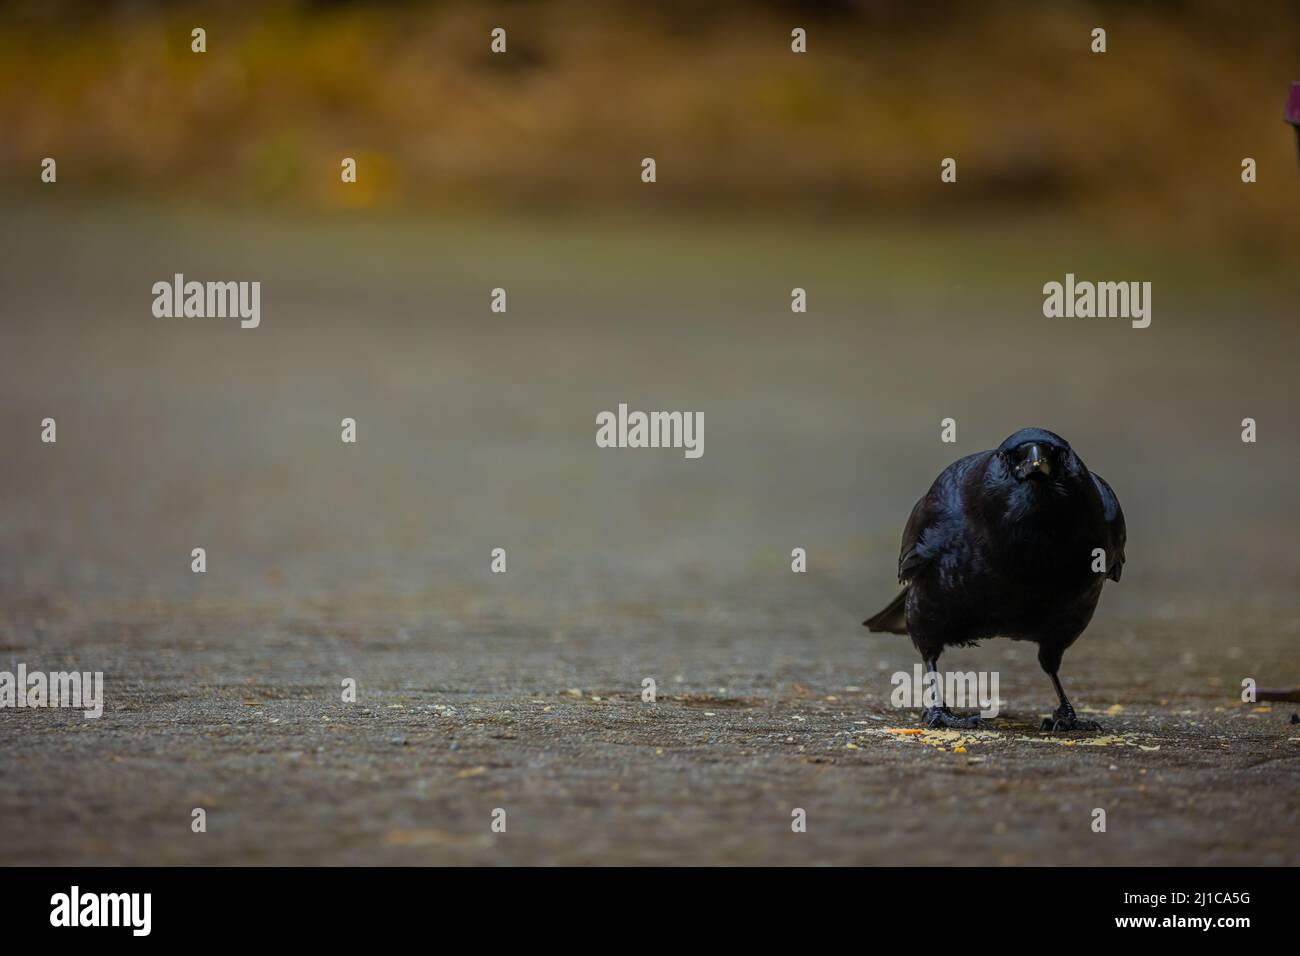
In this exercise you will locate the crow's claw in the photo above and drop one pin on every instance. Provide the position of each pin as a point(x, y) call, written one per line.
point(1064, 722)
point(943, 717)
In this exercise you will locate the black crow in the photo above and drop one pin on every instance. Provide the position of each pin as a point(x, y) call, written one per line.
point(1003, 545)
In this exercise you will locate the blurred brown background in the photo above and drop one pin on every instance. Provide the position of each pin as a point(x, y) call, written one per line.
point(1146, 138)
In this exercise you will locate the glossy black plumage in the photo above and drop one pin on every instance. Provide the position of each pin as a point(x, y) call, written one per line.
point(1003, 545)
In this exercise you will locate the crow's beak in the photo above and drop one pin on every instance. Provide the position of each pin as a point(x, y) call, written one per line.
point(1034, 460)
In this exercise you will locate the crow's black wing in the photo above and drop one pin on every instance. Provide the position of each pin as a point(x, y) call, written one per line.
point(1114, 516)
point(926, 536)
point(937, 516)
point(893, 618)
point(911, 559)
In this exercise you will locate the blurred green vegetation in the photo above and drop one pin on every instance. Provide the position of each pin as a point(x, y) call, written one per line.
point(1147, 137)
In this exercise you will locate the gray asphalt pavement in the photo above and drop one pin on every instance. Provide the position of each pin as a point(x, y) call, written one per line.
point(522, 691)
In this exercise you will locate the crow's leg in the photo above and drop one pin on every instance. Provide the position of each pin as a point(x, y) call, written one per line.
point(939, 715)
point(1064, 717)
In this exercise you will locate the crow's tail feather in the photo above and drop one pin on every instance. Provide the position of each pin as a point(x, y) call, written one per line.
point(893, 619)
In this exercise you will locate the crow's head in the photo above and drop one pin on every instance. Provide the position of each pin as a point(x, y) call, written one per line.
point(1035, 454)
point(1034, 465)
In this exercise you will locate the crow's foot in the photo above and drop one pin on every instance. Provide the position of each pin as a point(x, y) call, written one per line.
point(1063, 719)
point(943, 717)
